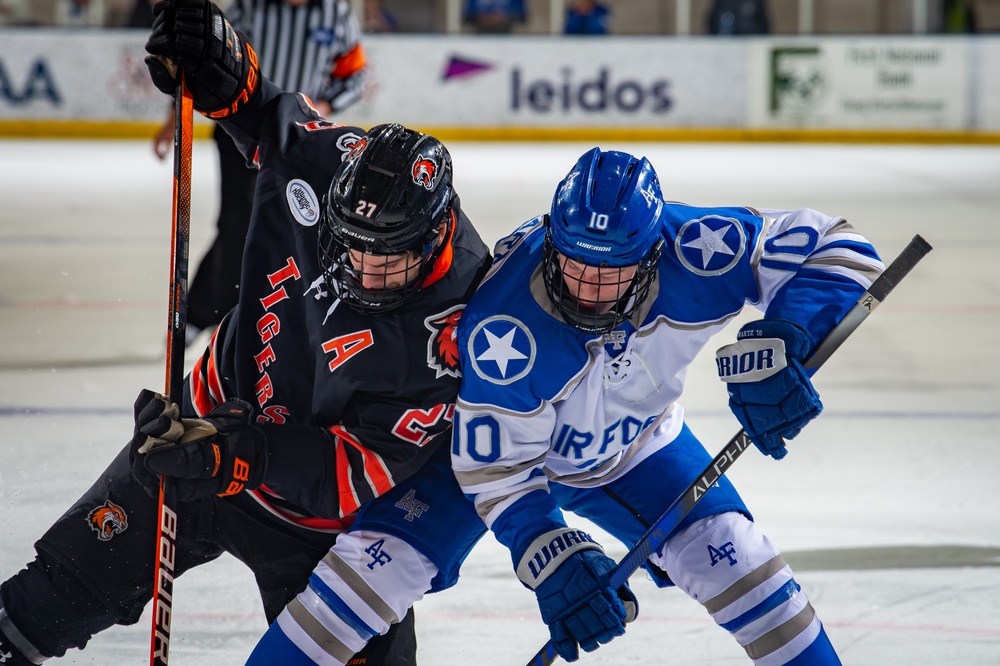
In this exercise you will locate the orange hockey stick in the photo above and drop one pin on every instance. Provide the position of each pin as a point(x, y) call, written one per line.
point(166, 530)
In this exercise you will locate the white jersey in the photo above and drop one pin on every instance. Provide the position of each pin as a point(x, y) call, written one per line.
point(543, 401)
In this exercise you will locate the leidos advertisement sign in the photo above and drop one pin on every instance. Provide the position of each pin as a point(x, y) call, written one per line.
point(87, 75)
point(496, 82)
point(435, 81)
point(851, 83)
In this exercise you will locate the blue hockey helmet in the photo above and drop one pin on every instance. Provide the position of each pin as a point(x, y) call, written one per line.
point(606, 215)
point(606, 210)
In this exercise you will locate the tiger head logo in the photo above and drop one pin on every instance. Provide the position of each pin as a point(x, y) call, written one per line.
point(351, 145)
point(424, 171)
point(107, 520)
point(442, 346)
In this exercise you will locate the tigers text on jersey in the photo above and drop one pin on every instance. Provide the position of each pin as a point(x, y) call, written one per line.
point(542, 400)
point(355, 402)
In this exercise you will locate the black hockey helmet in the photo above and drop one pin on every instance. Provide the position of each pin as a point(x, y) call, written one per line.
point(389, 197)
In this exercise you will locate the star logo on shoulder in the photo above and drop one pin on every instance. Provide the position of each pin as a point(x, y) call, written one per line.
point(710, 245)
point(501, 349)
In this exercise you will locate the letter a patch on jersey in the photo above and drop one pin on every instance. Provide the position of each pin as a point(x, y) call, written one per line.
point(346, 346)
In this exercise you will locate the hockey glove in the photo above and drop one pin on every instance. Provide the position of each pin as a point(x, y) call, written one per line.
point(571, 575)
point(220, 65)
point(221, 454)
point(153, 413)
point(769, 390)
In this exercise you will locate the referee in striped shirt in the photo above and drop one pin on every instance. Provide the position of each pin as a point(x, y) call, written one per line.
point(308, 46)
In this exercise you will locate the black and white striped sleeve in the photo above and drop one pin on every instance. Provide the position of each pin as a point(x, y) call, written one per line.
point(314, 48)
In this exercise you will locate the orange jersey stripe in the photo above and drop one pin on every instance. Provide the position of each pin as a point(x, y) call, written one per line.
point(334, 526)
point(345, 488)
point(376, 472)
point(214, 383)
point(350, 63)
point(199, 391)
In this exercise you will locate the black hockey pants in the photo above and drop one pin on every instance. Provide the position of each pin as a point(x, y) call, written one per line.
point(94, 566)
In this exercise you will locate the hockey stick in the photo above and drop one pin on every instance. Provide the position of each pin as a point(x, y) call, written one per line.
point(658, 533)
point(166, 528)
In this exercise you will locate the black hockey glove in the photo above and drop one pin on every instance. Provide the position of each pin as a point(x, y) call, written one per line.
point(154, 413)
point(220, 65)
point(221, 454)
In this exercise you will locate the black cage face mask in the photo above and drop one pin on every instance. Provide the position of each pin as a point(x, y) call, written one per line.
point(375, 283)
point(378, 236)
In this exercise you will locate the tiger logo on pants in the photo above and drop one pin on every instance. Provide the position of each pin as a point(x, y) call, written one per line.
point(107, 520)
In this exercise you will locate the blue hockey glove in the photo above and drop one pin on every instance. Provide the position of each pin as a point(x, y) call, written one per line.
point(570, 575)
point(769, 390)
point(220, 454)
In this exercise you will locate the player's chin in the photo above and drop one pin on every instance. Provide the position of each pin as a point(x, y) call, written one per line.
point(593, 308)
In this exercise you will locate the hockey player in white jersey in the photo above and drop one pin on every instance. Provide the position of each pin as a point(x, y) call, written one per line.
point(574, 352)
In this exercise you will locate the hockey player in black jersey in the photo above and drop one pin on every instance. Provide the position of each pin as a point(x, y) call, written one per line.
point(331, 383)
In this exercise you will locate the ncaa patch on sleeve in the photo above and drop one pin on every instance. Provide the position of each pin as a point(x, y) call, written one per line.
point(302, 202)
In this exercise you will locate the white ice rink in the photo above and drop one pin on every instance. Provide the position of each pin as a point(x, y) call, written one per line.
point(888, 507)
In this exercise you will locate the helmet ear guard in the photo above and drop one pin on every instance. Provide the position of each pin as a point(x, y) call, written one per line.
point(605, 214)
point(389, 197)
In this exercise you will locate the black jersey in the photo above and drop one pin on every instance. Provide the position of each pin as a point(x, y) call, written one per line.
point(351, 403)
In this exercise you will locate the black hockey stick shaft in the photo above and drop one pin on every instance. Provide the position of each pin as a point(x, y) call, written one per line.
point(166, 529)
point(658, 533)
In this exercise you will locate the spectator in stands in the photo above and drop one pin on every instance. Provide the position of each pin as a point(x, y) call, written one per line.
point(494, 16)
point(71, 13)
point(587, 17)
point(378, 18)
point(958, 16)
point(79, 13)
point(14, 12)
point(738, 17)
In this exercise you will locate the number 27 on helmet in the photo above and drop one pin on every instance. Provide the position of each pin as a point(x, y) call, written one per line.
point(387, 217)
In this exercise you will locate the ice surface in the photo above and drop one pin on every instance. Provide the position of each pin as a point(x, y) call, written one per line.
point(888, 506)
